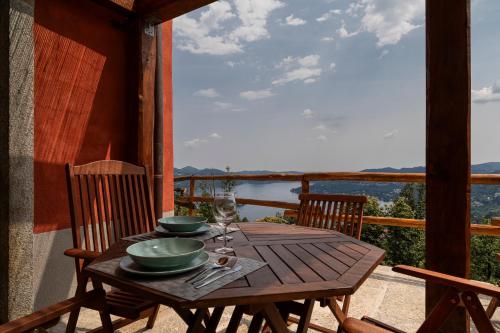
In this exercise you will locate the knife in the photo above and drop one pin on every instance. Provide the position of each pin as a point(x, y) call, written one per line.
point(234, 270)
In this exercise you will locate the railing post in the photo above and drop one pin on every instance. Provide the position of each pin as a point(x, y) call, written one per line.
point(192, 188)
point(305, 186)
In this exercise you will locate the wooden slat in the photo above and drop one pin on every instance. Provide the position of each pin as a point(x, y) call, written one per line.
point(124, 218)
point(133, 205)
point(304, 272)
point(263, 277)
point(138, 202)
point(340, 246)
point(282, 271)
point(318, 266)
point(319, 250)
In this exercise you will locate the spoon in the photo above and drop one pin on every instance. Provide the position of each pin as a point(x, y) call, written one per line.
point(221, 262)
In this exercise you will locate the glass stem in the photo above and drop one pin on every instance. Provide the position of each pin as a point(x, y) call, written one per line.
point(225, 238)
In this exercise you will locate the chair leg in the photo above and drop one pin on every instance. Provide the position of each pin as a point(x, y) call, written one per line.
point(75, 313)
point(152, 317)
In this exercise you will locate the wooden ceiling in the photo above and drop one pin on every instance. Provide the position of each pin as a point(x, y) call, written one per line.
point(154, 11)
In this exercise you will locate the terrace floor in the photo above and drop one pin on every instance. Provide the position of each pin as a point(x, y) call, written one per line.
point(393, 298)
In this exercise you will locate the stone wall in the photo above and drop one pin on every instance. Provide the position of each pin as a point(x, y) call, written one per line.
point(16, 158)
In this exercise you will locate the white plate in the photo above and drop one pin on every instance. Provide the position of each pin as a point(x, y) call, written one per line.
point(129, 266)
point(201, 230)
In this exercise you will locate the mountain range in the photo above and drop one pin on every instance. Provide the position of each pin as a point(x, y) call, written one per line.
point(490, 168)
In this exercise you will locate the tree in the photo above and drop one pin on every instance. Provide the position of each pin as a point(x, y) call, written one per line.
point(484, 267)
point(372, 233)
point(404, 245)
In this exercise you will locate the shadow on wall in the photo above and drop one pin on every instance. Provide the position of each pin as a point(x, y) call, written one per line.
point(54, 273)
point(83, 113)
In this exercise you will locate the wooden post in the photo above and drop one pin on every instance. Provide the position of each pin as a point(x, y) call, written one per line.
point(146, 94)
point(192, 189)
point(305, 186)
point(448, 147)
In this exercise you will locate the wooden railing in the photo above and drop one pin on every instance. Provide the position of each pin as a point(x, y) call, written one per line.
point(305, 179)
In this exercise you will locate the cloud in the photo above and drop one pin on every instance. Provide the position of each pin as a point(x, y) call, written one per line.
point(327, 39)
point(197, 142)
point(389, 20)
point(321, 138)
point(343, 33)
point(308, 113)
point(333, 66)
point(209, 93)
point(487, 94)
point(299, 69)
point(223, 28)
point(383, 54)
point(194, 143)
point(320, 127)
point(252, 95)
point(391, 134)
point(291, 20)
point(223, 105)
point(328, 15)
point(253, 15)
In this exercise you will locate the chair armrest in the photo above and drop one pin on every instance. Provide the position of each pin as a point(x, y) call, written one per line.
point(449, 280)
point(82, 254)
point(46, 315)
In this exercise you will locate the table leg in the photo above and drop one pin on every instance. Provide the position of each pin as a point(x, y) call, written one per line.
point(256, 323)
point(196, 325)
point(274, 319)
point(214, 320)
point(305, 317)
point(235, 320)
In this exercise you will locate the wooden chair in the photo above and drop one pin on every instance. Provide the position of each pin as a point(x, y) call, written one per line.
point(459, 292)
point(108, 200)
point(343, 213)
point(49, 316)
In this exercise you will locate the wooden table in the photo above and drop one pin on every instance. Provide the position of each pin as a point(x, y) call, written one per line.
point(303, 264)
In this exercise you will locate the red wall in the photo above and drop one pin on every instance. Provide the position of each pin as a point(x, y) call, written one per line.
point(83, 100)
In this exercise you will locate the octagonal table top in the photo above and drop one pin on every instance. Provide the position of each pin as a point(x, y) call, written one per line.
point(303, 263)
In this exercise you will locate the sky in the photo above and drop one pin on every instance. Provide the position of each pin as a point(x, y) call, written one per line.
point(318, 85)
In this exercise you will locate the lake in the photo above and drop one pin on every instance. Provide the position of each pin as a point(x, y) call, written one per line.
point(273, 191)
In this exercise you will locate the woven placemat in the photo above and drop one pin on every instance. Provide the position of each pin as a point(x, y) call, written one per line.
point(213, 232)
point(177, 285)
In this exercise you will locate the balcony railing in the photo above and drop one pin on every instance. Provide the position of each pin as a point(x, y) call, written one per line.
point(305, 179)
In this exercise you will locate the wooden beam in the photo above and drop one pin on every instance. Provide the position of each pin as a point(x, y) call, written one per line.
point(159, 11)
point(124, 7)
point(448, 147)
point(146, 93)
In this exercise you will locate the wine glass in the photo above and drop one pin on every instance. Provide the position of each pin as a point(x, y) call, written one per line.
point(224, 210)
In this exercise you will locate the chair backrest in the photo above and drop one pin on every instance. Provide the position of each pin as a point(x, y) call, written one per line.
point(108, 200)
point(343, 213)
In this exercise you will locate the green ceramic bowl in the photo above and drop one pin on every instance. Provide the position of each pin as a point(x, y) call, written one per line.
point(165, 252)
point(182, 223)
